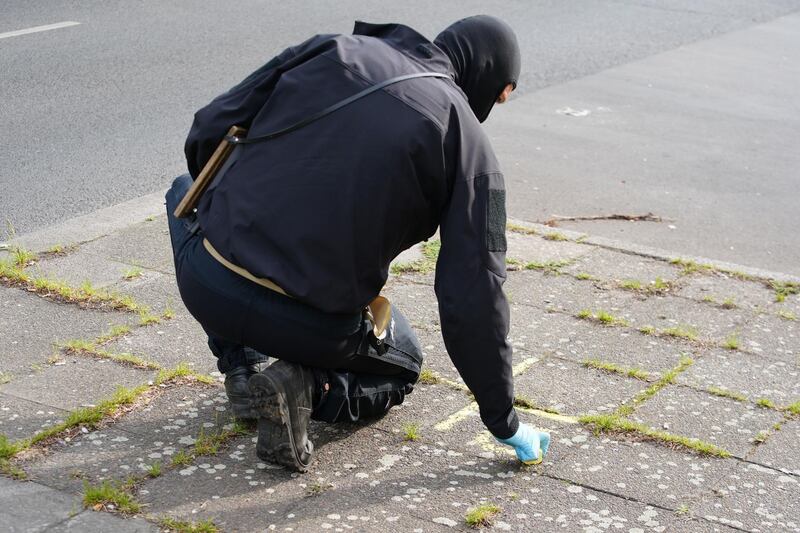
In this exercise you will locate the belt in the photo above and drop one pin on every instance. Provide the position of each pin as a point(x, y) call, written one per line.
point(264, 282)
point(378, 311)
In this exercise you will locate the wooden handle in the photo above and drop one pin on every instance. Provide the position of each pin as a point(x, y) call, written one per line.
point(206, 176)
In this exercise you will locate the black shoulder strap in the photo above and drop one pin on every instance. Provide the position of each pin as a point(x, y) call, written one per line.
point(328, 110)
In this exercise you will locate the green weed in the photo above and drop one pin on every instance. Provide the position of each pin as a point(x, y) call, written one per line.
point(182, 458)
point(636, 373)
point(107, 494)
point(555, 236)
point(549, 267)
point(428, 377)
point(617, 424)
point(411, 432)
point(725, 393)
point(765, 403)
point(516, 228)
point(482, 515)
point(731, 343)
point(183, 526)
point(132, 273)
point(681, 332)
point(154, 470)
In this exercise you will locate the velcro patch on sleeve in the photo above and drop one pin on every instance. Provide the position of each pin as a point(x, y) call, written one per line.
point(496, 221)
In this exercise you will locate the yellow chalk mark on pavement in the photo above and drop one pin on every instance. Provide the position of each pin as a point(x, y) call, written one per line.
point(520, 368)
point(449, 422)
point(454, 384)
point(550, 416)
point(485, 441)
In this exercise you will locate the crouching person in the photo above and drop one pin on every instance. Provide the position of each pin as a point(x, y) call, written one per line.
point(372, 142)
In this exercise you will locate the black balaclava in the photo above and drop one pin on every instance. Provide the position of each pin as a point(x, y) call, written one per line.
point(485, 55)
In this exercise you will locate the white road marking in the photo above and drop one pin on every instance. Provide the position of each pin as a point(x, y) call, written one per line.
point(37, 29)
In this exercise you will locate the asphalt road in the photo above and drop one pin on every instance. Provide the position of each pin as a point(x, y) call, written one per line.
point(96, 113)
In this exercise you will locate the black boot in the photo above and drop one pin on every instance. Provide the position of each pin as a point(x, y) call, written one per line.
point(238, 392)
point(282, 397)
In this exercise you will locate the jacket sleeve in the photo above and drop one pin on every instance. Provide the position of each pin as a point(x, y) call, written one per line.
point(241, 104)
point(474, 312)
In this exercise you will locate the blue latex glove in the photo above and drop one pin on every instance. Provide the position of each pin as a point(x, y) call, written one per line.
point(530, 445)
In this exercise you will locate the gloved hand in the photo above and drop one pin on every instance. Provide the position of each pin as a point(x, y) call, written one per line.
point(530, 445)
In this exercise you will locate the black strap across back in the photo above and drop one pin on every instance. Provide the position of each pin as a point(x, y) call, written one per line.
point(328, 110)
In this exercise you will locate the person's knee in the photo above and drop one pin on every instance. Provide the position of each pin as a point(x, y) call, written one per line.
point(180, 186)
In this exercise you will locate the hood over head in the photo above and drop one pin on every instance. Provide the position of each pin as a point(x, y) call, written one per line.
point(485, 56)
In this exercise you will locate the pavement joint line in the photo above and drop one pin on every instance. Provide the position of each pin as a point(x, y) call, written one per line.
point(659, 254)
point(605, 491)
point(769, 467)
point(38, 29)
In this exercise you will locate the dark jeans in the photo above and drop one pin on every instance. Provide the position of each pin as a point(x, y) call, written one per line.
point(244, 321)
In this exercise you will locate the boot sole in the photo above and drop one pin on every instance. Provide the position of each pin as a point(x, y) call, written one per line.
point(276, 440)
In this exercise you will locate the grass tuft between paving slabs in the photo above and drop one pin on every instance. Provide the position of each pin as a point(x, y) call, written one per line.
point(725, 393)
point(183, 526)
point(667, 378)
point(516, 228)
point(731, 343)
point(109, 496)
point(681, 332)
point(657, 286)
point(549, 267)
point(430, 253)
point(15, 275)
point(555, 236)
point(92, 417)
point(411, 432)
point(603, 317)
point(428, 377)
point(482, 515)
point(617, 424)
point(634, 372)
point(527, 403)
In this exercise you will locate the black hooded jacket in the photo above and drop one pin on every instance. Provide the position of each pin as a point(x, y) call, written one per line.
point(323, 210)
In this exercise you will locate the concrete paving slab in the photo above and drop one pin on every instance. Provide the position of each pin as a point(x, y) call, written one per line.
point(644, 471)
point(711, 324)
point(754, 498)
point(171, 422)
point(721, 287)
point(156, 290)
point(78, 267)
point(562, 293)
point(96, 456)
point(729, 424)
point(26, 506)
point(146, 244)
point(773, 337)
point(611, 266)
point(168, 343)
point(29, 325)
point(100, 521)
point(416, 301)
point(179, 413)
point(80, 382)
point(435, 355)
point(448, 421)
point(399, 486)
point(572, 389)
point(20, 418)
point(567, 337)
point(530, 248)
point(751, 375)
point(782, 449)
